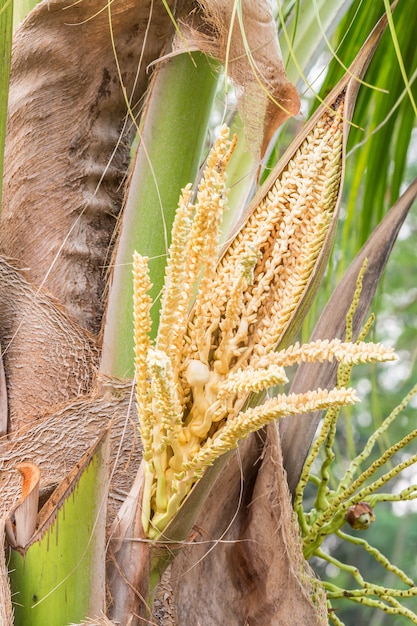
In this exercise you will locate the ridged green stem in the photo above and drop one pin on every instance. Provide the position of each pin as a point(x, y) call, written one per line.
point(169, 155)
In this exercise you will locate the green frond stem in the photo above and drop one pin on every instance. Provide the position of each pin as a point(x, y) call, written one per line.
point(357, 462)
point(332, 615)
point(57, 577)
point(21, 9)
point(305, 477)
point(378, 556)
point(168, 157)
point(331, 520)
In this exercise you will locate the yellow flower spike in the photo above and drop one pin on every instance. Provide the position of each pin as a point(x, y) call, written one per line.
point(282, 405)
point(167, 411)
point(234, 327)
point(251, 420)
point(164, 390)
point(177, 288)
point(142, 326)
point(252, 380)
point(211, 202)
point(286, 230)
point(325, 350)
point(289, 281)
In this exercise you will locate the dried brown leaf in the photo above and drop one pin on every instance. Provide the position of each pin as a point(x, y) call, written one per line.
point(21, 521)
point(251, 551)
point(245, 40)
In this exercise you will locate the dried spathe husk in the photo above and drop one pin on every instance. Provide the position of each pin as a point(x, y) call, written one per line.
point(251, 553)
point(245, 41)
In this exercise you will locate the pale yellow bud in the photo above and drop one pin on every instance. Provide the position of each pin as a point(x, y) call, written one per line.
point(197, 373)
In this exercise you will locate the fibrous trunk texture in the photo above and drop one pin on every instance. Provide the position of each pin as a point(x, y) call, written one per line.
point(68, 140)
point(48, 358)
point(57, 441)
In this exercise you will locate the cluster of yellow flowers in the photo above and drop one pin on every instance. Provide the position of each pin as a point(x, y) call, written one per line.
point(210, 354)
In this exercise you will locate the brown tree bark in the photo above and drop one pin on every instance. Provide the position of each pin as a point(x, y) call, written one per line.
point(68, 140)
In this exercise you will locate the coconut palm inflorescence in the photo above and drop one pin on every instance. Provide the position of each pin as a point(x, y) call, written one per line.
point(192, 384)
